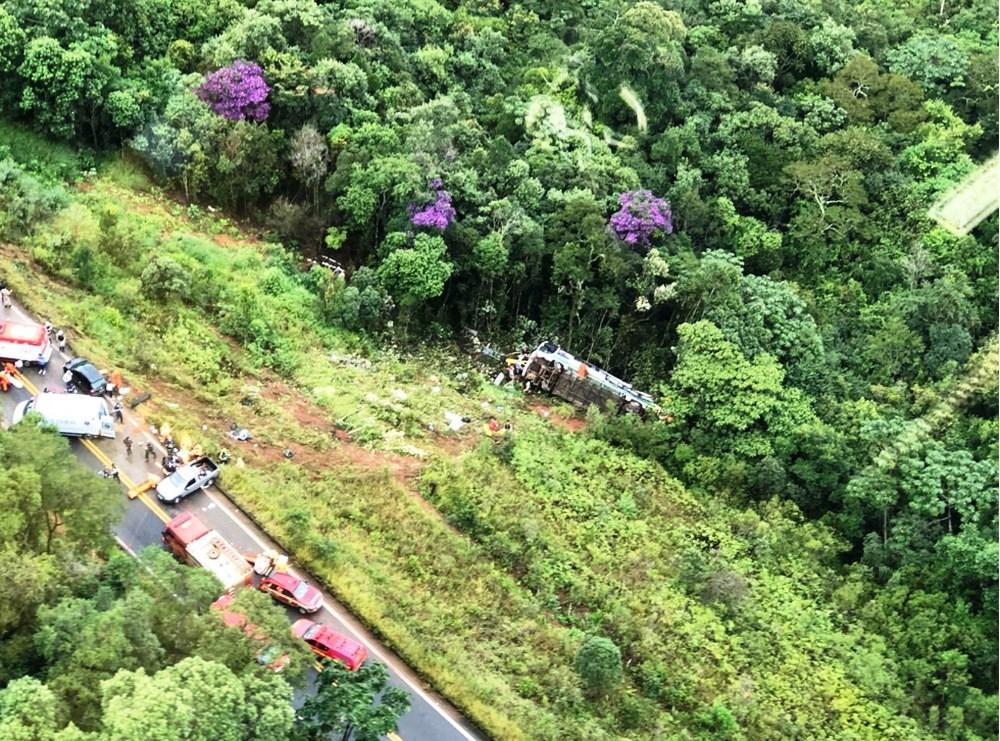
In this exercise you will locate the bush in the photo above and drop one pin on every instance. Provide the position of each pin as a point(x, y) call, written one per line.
point(25, 200)
point(164, 278)
point(599, 664)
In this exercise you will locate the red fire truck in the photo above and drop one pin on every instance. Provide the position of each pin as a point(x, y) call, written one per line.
point(188, 539)
point(28, 343)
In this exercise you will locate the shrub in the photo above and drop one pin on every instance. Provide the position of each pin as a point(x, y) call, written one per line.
point(599, 664)
point(25, 200)
point(164, 278)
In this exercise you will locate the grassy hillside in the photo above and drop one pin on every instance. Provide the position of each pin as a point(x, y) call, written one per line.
point(484, 563)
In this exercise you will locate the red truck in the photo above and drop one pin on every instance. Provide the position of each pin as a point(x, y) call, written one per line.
point(188, 539)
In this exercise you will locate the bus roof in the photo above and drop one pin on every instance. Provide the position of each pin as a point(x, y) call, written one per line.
point(216, 555)
point(28, 334)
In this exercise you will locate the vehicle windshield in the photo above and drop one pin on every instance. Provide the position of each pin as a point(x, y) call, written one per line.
point(178, 478)
point(301, 590)
point(311, 632)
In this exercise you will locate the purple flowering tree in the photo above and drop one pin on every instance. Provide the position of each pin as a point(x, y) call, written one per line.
point(641, 215)
point(437, 214)
point(237, 92)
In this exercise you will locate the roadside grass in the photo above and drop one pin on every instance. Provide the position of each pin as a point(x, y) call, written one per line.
point(536, 541)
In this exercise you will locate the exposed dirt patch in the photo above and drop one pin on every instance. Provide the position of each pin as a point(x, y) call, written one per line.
point(570, 424)
point(224, 240)
point(346, 452)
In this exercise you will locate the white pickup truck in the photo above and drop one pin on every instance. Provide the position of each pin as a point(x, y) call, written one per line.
point(72, 414)
point(194, 476)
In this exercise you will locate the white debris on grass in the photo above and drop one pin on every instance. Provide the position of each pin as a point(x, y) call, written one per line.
point(454, 421)
point(399, 394)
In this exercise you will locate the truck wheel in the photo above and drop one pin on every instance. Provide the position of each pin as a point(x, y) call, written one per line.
point(302, 611)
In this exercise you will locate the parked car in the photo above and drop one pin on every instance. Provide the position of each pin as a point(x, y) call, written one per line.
point(189, 478)
point(329, 644)
point(85, 377)
point(293, 591)
point(269, 656)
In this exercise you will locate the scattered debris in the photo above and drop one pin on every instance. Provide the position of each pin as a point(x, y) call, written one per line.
point(137, 400)
point(455, 421)
point(242, 434)
point(354, 362)
point(399, 394)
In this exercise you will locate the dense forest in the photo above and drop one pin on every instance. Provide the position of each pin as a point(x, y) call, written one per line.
point(723, 201)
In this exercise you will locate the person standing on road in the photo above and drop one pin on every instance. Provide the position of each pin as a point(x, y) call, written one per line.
point(5, 297)
point(119, 411)
point(43, 364)
point(61, 340)
point(149, 452)
point(127, 442)
point(116, 382)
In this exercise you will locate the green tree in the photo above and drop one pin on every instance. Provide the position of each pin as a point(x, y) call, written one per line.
point(644, 49)
point(934, 60)
point(727, 403)
point(194, 700)
point(355, 705)
point(28, 710)
point(599, 664)
point(415, 273)
point(52, 506)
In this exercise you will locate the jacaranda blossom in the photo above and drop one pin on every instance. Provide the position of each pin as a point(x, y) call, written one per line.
point(237, 92)
point(439, 213)
point(641, 215)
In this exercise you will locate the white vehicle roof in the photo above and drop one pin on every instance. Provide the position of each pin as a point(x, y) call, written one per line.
point(227, 564)
point(60, 406)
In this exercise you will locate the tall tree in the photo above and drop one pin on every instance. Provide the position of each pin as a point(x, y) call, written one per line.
point(356, 706)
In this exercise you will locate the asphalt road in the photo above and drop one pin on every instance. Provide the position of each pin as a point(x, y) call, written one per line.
point(430, 718)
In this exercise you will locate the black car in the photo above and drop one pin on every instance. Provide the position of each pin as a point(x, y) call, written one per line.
point(85, 377)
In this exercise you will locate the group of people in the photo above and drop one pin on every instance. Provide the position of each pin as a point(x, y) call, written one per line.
point(173, 459)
